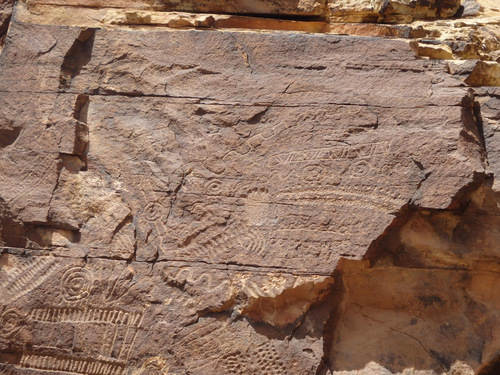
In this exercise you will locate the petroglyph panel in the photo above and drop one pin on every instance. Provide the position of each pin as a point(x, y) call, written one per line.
point(269, 187)
point(86, 315)
point(101, 314)
point(190, 194)
point(71, 365)
point(239, 356)
point(19, 276)
point(187, 162)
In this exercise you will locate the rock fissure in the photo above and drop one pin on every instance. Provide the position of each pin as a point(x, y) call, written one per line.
point(76, 58)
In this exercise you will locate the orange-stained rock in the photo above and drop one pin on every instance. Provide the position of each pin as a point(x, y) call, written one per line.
point(391, 11)
point(283, 7)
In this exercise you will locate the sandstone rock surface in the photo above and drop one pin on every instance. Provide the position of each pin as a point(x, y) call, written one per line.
point(5, 15)
point(180, 198)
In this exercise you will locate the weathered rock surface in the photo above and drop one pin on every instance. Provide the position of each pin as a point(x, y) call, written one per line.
point(5, 16)
point(349, 10)
point(283, 7)
point(224, 202)
point(391, 11)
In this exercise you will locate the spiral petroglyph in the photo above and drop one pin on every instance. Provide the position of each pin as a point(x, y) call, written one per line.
point(10, 322)
point(76, 284)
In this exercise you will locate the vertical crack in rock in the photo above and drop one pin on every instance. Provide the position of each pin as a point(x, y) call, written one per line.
point(5, 19)
point(12, 230)
point(76, 58)
point(4, 26)
point(473, 132)
point(73, 148)
point(80, 114)
point(9, 132)
point(479, 123)
point(330, 309)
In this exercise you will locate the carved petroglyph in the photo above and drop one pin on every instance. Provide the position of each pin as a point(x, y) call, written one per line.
point(87, 315)
point(124, 241)
point(119, 340)
point(121, 286)
point(245, 214)
point(10, 323)
point(27, 275)
point(119, 331)
point(323, 187)
point(206, 184)
point(339, 152)
point(72, 365)
point(153, 211)
point(319, 222)
point(199, 338)
point(360, 168)
point(214, 187)
point(122, 342)
point(263, 288)
point(231, 363)
point(214, 234)
point(268, 360)
point(225, 241)
point(152, 225)
point(264, 359)
point(253, 242)
point(76, 284)
point(207, 190)
point(257, 206)
point(196, 277)
point(364, 196)
point(313, 173)
point(271, 285)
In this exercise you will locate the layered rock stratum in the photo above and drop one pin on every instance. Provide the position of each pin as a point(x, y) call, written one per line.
point(249, 187)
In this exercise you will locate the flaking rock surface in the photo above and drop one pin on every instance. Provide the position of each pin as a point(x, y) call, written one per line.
point(181, 201)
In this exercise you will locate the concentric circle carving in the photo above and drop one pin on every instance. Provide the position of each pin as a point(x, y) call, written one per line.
point(152, 211)
point(360, 168)
point(76, 284)
point(10, 322)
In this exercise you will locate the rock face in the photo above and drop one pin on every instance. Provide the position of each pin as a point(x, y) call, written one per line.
point(5, 15)
point(395, 10)
point(180, 198)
